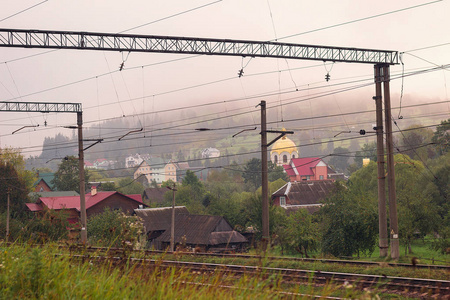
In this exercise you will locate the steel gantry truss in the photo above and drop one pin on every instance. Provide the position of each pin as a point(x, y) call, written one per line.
point(42, 107)
point(382, 59)
point(189, 45)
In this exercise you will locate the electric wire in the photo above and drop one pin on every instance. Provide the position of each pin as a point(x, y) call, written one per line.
point(300, 146)
point(174, 15)
point(359, 20)
point(24, 10)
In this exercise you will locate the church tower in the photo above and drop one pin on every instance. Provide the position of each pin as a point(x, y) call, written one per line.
point(283, 151)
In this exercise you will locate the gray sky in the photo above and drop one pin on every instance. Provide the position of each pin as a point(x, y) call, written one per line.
point(154, 86)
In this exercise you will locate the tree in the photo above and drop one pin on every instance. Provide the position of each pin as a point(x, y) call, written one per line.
point(108, 186)
point(416, 211)
point(67, 176)
point(413, 138)
point(191, 193)
point(350, 224)
point(15, 158)
point(113, 228)
point(441, 137)
point(340, 159)
point(129, 186)
point(302, 233)
point(252, 173)
point(253, 211)
point(16, 179)
point(368, 150)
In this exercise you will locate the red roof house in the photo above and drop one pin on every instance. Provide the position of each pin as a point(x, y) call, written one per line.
point(308, 168)
point(96, 202)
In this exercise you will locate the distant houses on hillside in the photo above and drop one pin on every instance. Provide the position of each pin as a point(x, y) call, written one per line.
point(156, 169)
point(210, 153)
point(100, 164)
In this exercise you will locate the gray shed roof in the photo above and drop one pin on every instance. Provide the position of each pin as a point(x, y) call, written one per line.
point(203, 230)
point(155, 195)
point(159, 218)
point(226, 237)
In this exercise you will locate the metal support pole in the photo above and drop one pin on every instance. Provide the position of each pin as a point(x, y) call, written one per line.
point(382, 218)
point(264, 179)
point(82, 179)
point(172, 225)
point(393, 221)
point(7, 216)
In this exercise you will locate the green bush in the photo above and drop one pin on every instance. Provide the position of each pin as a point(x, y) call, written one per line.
point(113, 228)
point(49, 226)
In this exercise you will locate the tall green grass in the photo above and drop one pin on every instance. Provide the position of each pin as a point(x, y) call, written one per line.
point(40, 273)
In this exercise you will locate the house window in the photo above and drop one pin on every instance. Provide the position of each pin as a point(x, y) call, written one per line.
point(282, 200)
point(321, 177)
point(293, 155)
point(308, 177)
point(275, 159)
point(284, 158)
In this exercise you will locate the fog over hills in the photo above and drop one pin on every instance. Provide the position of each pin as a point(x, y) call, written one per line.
point(319, 125)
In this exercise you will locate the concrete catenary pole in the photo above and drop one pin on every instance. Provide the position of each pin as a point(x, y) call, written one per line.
point(82, 179)
point(172, 225)
point(264, 178)
point(393, 221)
point(382, 218)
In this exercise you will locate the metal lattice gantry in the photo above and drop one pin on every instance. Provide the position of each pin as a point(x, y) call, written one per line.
point(189, 45)
point(42, 107)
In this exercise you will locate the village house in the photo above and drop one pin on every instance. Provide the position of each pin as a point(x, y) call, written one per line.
point(154, 196)
point(44, 182)
point(210, 153)
point(309, 195)
point(153, 169)
point(175, 171)
point(133, 161)
point(308, 168)
point(206, 233)
point(89, 165)
point(34, 196)
point(157, 220)
point(96, 202)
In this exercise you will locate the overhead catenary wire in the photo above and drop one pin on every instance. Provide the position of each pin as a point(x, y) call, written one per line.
point(256, 152)
point(359, 20)
point(267, 95)
point(23, 10)
point(273, 122)
point(421, 71)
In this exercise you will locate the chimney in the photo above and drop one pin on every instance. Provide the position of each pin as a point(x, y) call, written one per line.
point(93, 191)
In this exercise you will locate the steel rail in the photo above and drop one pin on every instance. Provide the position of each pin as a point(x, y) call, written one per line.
point(281, 258)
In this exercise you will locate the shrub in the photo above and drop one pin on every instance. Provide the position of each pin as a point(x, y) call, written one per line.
point(113, 228)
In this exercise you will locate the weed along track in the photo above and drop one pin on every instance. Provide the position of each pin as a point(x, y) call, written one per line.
point(415, 286)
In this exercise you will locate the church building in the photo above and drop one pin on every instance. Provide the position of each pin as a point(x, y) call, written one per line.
point(283, 151)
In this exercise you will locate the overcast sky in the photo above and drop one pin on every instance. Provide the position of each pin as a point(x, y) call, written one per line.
point(159, 81)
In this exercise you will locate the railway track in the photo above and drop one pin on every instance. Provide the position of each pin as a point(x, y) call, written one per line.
point(272, 258)
point(294, 276)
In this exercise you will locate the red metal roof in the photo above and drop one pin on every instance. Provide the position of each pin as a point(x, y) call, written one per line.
point(33, 206)
point(73, 202)
point(137, 197)
point(303, 165)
